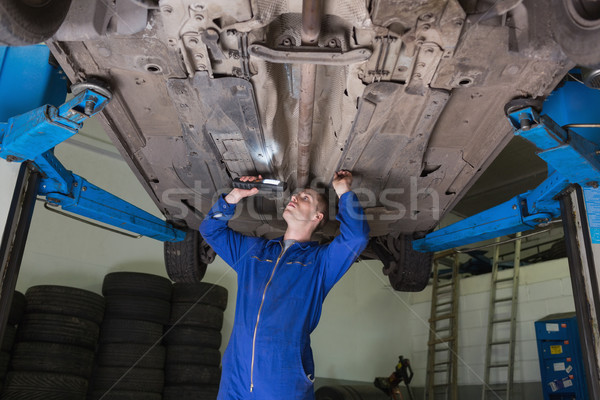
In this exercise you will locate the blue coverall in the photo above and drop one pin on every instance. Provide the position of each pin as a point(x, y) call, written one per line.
point(279, 300)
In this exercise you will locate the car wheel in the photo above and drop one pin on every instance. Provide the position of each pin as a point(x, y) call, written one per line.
point(186, 260)
point(191, 392)
point(138, 308)
point(202, 292)
point(407, 269)
point(201, 315)
point(43, 385)
point(576, 27)
point(195, 355)
point(137, 284)
point(192, 336)
point(192, 375)
point(25, 22)
point(65, 300)
point(52, 357)
point(130, 331)
point(131, 354)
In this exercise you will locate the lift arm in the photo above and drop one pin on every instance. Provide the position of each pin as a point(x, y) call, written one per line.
point(32, 136)
point(571, 159)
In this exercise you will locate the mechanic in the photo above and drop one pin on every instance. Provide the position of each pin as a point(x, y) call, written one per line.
point(282, 284)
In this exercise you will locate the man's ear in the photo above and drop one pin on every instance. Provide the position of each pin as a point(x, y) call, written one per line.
point(319, 216)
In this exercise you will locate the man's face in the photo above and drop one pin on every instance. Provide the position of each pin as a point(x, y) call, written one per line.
point(302, 206)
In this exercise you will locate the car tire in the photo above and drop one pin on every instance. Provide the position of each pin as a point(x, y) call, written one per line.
point(137, 284)
point(43, 385)
point(408, 270)
point(17, 308)
point(22, 23)
point(201, 315)
point(56, 328)
point(65, 301)
point(189, 392)
point(128, 380)
point(52, 357)
point(9, 338)
point(123, 395)
point(192, 336)
point(201, 292)
point(195, 355)
point(138, 308)
point(127, 331)
point(184, 260)
point(347, 392)
point(191, 375)
point(130, 354)
point(4, 361)
point(577, 32)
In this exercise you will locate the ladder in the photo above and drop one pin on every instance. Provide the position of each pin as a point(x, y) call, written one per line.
point(502, 326)
point(442, 355)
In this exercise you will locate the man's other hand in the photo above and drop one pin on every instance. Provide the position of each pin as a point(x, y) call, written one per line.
point(342, 181)
point(238, 194)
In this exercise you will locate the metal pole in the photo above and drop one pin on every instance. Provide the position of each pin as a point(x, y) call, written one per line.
point(584, 281)
point(14, 238)
point(311, 28)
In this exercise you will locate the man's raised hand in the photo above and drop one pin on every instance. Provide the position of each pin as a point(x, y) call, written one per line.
point(342, 181)
point(238, 194)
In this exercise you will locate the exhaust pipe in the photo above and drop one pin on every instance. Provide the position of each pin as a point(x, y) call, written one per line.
point(311, 28)
point(591, 77)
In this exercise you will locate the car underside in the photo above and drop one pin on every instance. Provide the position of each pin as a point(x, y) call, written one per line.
point(408, 95)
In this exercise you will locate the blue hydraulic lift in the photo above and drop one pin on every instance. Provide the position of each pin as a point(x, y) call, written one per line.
point(567, 136)
point(34, 118)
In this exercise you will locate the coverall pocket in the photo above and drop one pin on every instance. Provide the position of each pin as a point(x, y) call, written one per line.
point(308, 376)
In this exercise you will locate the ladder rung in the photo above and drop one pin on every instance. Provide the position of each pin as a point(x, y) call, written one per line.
point(443, 363)
point(503, 299)
point(437, 371)
point(498, 389)
point(501, 342)
point(439, 385)
point(440, 350)
point(444, 303)
point(443, 316)
point(445, 329)
point(442, 340)
point(498, 365)
point(499, 321)
point(504, 279)
point(443, 285)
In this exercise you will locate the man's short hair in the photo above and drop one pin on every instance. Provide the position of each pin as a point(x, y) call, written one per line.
point(322, 207)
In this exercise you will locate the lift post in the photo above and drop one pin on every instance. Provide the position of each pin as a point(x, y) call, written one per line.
point(572, 190)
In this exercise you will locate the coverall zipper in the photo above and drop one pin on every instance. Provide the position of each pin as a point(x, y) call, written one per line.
point(258, 316)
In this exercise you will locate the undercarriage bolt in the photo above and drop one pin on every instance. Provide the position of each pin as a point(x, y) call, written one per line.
point(89, 106)
point(524, 121)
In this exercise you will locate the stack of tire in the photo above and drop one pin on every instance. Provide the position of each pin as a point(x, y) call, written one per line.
point(131, 357)
point(193, 339)
point(17, 309)
point(53, 354)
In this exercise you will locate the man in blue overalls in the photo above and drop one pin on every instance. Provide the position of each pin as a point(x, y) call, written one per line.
point(282, 284)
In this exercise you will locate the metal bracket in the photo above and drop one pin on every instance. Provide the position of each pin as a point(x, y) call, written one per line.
point(309, 55)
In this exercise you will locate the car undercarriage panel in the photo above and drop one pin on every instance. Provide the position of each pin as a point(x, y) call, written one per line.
point(409, 96)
